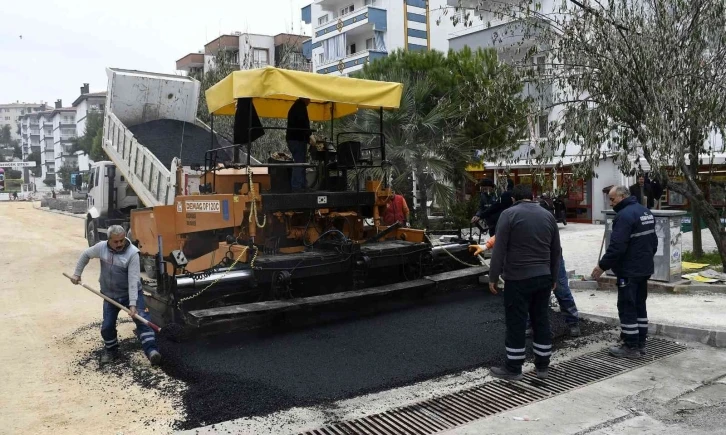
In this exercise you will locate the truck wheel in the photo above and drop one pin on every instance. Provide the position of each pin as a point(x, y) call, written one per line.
point(91, 234)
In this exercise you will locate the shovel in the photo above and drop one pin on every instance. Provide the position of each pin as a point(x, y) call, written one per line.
point(151, 325)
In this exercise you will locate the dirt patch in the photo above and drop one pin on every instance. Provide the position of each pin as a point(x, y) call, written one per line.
point(47, 326)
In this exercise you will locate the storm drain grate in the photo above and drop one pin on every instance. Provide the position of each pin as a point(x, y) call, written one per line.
point(441, 413)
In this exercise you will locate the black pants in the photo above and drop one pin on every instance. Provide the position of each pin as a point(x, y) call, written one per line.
point(632, 293)
point(528, 296)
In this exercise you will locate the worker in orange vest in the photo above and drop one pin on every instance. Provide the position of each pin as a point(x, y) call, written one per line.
point(396, 210)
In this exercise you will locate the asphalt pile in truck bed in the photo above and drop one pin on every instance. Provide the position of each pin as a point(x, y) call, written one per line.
point(169, 138)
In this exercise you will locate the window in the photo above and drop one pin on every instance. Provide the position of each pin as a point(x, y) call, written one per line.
point(369, 2)
point(542, 122)
point(321, 58)
point(233, 56)
point(351, 49)
point(370, 44)
point(346, 10)
point(260, 57)
point(7, 118)
point(540, 64)
point(322, 20)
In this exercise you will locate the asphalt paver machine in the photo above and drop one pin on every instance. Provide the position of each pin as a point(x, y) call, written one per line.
point(247, 246)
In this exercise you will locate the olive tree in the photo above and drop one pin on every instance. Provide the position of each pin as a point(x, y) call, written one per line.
point(635, 78)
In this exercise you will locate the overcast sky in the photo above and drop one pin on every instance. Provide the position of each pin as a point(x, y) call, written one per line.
point(66, 44)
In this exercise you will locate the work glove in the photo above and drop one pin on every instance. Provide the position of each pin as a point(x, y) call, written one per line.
point(477, 249)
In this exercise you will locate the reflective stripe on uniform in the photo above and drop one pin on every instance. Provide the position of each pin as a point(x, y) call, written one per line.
point(146, 334)
point(540, 353)
point(643, 233)
point(146, 340)
point(542, 346)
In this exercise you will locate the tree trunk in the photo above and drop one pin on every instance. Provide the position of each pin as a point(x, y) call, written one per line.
point(713, 222)
point(696, 230)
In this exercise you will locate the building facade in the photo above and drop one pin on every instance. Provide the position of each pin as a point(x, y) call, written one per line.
point(87, 102)
point(347, 34)
point(248, 51)
point(64, 134)
point(583, 197)
point(10, 115)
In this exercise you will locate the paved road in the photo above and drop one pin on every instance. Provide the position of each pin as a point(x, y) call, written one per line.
point(241, 375)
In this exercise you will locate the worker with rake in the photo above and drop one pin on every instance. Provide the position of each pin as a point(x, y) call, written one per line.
point(120, 280)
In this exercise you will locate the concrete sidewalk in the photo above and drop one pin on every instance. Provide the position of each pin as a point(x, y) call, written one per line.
point(689, 317)
point(684, 393)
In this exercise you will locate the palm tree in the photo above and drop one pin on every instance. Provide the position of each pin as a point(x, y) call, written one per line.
point(420, 140)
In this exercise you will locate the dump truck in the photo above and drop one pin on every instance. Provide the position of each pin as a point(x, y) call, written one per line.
point(154, 141)
point(222, 238)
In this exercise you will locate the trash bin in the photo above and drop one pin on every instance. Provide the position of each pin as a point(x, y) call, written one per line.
point(668, 257)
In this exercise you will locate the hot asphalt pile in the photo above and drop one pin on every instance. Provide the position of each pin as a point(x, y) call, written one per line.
point(169, 138)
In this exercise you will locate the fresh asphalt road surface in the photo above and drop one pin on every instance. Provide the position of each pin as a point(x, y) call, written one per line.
point(245, 374)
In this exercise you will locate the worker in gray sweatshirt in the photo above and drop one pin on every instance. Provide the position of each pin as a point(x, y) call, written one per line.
point(121, 282)
point(527, 256)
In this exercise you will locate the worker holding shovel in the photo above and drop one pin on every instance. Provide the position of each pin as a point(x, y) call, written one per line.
point(121, 283)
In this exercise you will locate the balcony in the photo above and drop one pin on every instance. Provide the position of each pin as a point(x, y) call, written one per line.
point(501, 35)
point(351, 63)
point(224, 42)
point(191, 61)
point(35, 132)
point(367, 18)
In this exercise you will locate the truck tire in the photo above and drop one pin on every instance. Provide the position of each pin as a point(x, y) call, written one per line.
point(91, 233)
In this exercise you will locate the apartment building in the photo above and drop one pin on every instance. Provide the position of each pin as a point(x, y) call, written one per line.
point(249, 50)
point(584, 200)
point(10, 115)
point(347, 34)
point(64, 133)
point(86, 103)
point(37, 136)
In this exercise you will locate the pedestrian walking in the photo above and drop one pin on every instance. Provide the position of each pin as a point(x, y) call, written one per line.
point(633, 244)
point(527, 255)
point(643, 192)
point(120, 280)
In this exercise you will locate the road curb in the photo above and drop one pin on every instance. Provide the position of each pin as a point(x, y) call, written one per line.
point(710, 337)
point(65, 213)
point(680, 287)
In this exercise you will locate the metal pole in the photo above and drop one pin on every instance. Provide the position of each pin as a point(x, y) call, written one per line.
point(212, 158)
point(380, 137)
point(249, 135)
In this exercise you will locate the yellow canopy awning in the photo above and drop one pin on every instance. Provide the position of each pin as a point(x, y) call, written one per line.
point(274, 90)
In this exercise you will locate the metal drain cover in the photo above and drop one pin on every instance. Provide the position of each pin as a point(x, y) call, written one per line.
point(445, 412)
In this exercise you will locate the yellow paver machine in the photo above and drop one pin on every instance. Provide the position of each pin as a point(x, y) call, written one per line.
point(247, 246)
